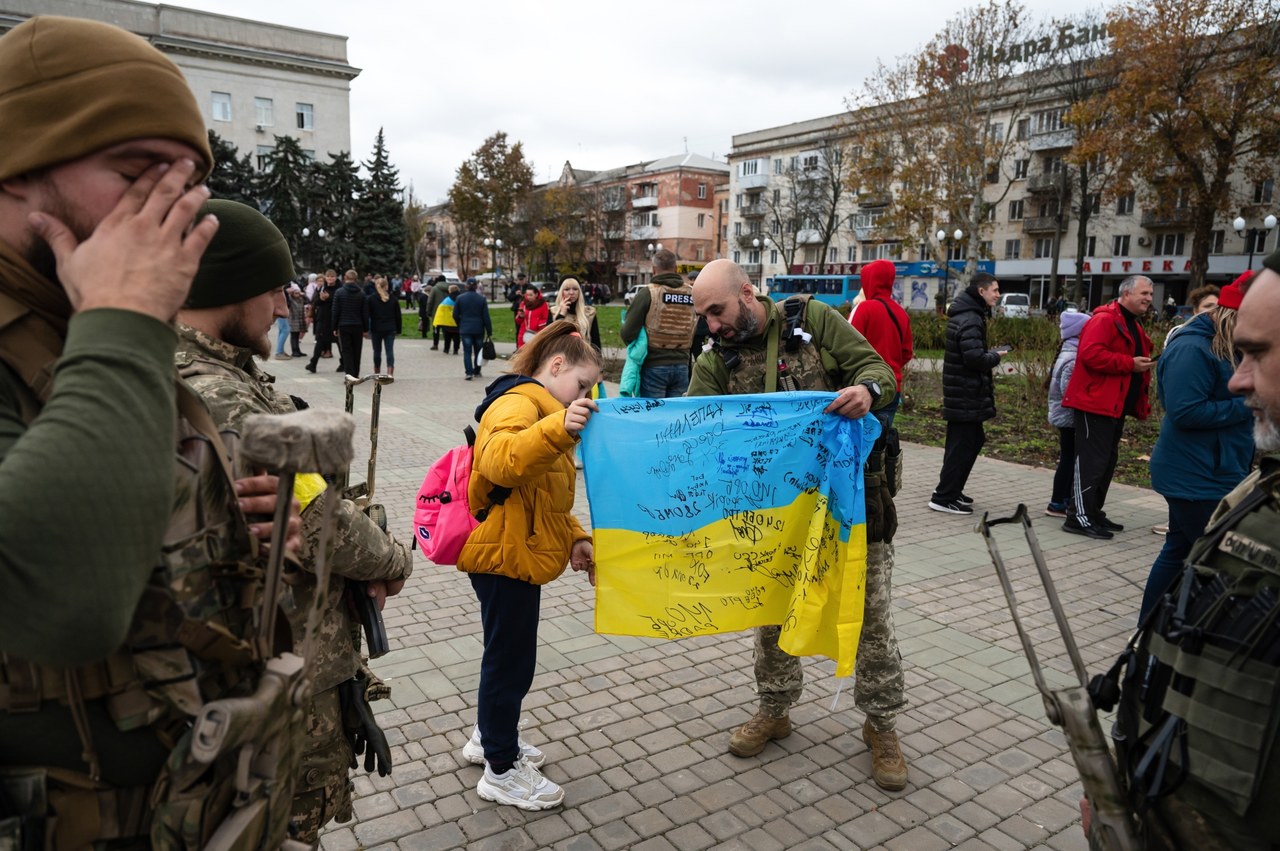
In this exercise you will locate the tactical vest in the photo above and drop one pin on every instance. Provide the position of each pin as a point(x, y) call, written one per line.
point(800, 362)
point(190, 642)
point(1196, 730)
point(671, 319)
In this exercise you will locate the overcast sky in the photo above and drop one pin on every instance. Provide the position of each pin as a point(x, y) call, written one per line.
point(598, 83)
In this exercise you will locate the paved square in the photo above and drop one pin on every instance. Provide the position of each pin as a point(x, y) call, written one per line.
point(637, 729)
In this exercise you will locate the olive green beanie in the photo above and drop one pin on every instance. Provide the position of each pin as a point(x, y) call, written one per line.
point(247, 257)
point(70, 87)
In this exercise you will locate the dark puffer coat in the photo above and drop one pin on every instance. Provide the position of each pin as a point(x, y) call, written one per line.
point(967, 391)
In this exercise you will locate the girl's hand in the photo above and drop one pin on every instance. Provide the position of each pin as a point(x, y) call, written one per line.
point(582, 557)
point(577, 414)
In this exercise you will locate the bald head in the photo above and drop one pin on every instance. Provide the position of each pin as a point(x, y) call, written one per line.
point(723, 295)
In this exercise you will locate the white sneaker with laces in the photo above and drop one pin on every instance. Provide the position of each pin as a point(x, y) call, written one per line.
point(473, 751)
point(523, 786)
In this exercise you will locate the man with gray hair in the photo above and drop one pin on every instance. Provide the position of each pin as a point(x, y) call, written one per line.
point(1111, 381)
point(664, 310)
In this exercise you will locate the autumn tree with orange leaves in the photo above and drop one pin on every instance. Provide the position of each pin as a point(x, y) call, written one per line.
point(1191, 103)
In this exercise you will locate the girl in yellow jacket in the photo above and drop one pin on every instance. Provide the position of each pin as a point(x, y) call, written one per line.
point(529, 425)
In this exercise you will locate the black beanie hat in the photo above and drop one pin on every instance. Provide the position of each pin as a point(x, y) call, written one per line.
point(247, 257)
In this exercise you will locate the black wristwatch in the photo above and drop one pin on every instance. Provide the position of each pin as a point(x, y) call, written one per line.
point(873, 387)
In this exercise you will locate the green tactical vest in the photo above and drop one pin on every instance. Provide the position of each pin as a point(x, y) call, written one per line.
point(799, 369)
point(189, 643)
point(1202, 690)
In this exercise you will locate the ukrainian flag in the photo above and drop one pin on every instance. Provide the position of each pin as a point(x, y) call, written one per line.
point(720, 513)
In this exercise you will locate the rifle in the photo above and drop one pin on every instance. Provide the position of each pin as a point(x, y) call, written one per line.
point(1112, 827)
point(362, 605)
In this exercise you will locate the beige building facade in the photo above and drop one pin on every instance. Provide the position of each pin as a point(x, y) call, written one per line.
point(254, 81)
point(1033, 210)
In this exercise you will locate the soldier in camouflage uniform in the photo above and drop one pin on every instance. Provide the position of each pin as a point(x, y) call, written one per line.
point(131, 583)
point(235, 298)
point(834, 357)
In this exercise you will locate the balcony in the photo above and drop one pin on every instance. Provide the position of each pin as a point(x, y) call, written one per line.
point(613, 202)
point(874, 199)
point(744, 239)
point(752, 268)
point(1043, 224)
point(751, 211)
point(753, 181)
point(645, 232)
point(644, 202)
point(1158, 219)
point(808, 236)
point(1053, 141)
point(615, 234)
point(1049, 183)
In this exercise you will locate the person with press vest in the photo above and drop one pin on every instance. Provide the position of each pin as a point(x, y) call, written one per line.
point(664, 309)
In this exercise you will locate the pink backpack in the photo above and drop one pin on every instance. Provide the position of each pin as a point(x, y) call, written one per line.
point(442, 518)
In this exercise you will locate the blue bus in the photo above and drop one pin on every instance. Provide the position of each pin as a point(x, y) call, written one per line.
point(834, 290)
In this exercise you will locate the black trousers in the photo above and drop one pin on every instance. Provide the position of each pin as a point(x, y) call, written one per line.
point(324, 343)
point(964, 442)
point(1064, 475)
point(509, 616)
point(351, 343)
point(1097, 450)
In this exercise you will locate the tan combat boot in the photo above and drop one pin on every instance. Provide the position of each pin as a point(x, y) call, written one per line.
point(751, 737)
point(888, 766)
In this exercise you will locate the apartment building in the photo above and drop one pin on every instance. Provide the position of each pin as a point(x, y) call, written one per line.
point(254, 80)
point(1033, 210)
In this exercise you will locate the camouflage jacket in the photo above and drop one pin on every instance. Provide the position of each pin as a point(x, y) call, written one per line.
point(233, 387)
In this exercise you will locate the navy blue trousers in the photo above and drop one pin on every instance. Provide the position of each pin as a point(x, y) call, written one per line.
point(509, 614)
point(1187, 521)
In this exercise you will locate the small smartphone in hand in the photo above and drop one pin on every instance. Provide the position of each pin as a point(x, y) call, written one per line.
point(1003, 350)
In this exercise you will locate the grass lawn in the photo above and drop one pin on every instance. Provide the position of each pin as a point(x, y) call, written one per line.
point(608, 318)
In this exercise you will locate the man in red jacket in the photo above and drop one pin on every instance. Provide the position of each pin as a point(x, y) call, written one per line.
point(885, 325)
point(1111, 381)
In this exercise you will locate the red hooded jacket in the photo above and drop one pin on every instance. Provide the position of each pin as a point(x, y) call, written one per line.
point(1104, 366)
point(882, 320)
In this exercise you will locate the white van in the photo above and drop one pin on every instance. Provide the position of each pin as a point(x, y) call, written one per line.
point(1016, 305)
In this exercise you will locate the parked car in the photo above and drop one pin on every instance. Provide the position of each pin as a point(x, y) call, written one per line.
point(631, 294)
point(1016, 305)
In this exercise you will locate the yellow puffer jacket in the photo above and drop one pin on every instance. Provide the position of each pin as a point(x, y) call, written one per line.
point(521, 444)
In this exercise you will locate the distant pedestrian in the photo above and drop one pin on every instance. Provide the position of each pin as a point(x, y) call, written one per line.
point(1205, 447)
point(444, 322)
point(439, 292)
point(886, 326)
point(1111, 381)
point(384, 324)
point(532, 315)
point(322, 318)
point(471, 312)
point(297, 319)
point(664, 309)
point(529, 426)
point(968, 391)
point(351, 319)
point(571, 304)
point(1070, 324)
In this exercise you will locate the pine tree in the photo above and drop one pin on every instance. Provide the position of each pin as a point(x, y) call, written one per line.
point(336, 188)
point(284, 188)
point(379, 216)
point(232, 177)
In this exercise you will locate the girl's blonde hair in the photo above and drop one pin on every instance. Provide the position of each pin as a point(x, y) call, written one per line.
point(559, 338)
point(380, 284)
point(580, 315)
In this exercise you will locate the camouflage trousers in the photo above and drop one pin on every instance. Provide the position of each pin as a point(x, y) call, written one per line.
point(323, 790)
point(879, 690)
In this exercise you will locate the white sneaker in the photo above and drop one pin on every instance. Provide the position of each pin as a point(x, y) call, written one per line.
point(473, 751)
point(523, 786)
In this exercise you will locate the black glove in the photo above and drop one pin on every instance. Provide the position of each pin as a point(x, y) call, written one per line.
point(882, 515)
point(361, 730)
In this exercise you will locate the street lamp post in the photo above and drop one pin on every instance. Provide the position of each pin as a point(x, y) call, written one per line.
point(495, 245)
point(306, 234)
point(1251, 235)
point(651, 249)
point(947, 239)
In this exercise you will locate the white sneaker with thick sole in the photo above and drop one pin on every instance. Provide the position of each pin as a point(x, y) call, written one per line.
point(523, 786)
point(473, 751)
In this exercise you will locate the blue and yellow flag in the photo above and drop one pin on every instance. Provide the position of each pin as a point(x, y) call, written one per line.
point(721, 513)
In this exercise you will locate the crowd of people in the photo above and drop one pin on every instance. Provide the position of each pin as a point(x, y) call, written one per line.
point(131, 650)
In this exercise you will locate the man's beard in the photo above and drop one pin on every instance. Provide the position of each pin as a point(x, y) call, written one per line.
point(747, 325)
point(1266, 431)
point(235, 333)
point(38, 253)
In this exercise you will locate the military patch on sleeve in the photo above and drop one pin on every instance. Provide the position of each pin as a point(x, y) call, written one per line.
point(1248, 550)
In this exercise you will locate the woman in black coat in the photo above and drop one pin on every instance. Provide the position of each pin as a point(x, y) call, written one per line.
point(968, 393)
